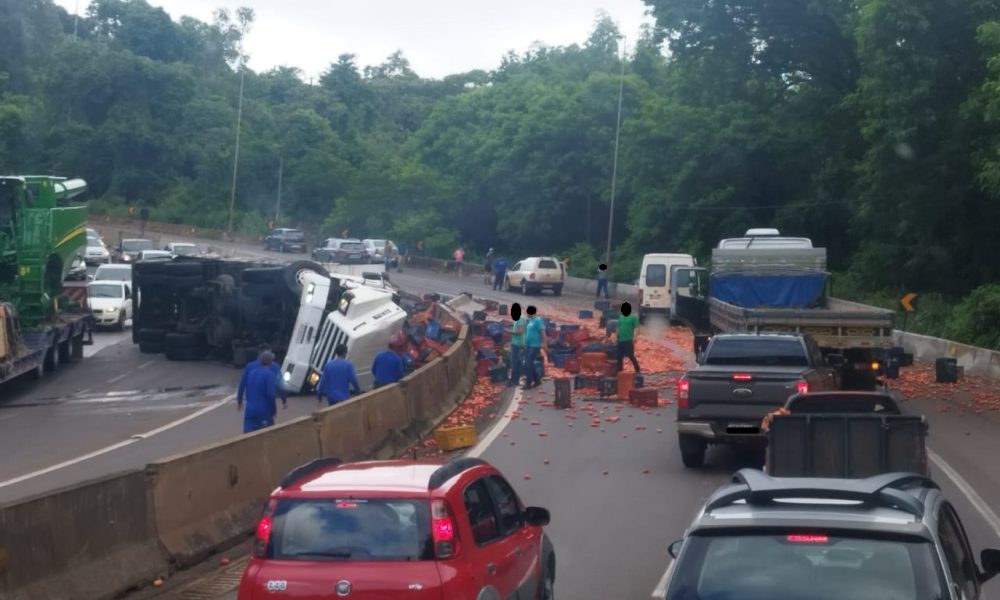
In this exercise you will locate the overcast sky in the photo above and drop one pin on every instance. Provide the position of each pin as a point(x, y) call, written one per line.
point(439, 37)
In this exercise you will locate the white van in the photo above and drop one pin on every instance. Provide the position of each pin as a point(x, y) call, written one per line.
point(654, 282)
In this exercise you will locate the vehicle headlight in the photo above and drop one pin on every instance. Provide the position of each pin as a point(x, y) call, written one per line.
point(287, 376)
point(111, 310)
point(126, 258)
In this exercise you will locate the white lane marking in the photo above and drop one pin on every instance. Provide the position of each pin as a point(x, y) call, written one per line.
point(963, 486)
point(119, 378)
point(498, 428)
point(121, 444)
point(661, 588)
point(145, 364)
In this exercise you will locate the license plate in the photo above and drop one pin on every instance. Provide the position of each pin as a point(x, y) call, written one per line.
point(741, 425)
point(353, 256)
point(743, 428)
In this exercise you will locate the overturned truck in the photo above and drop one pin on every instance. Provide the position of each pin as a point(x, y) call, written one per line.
point(197, 308)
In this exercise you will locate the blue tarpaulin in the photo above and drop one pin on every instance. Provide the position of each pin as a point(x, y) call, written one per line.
point(774, 291)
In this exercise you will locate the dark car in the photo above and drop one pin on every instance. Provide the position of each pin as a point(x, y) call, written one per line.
point(345, 252)
point(893, 535)
point(286, 240)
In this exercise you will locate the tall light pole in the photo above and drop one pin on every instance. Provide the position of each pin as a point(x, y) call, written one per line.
point(236, 159)
point(614, 170)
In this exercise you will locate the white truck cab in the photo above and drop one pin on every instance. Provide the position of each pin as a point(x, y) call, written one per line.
point(364, 316)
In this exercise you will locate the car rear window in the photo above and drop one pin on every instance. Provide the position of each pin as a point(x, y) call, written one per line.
point(293, 235)
point(805, 565)
point(656, 275)
point(547, 264)
point(757, 352)
point(352, 246)
point(351, 529)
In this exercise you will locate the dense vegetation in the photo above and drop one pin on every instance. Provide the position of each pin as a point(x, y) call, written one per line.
point(869, 125)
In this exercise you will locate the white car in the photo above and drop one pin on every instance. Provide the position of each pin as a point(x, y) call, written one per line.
point(534, 274)
point(182, 249)
point(96, 252)
point(154, 255)
point(110, 302)
point(376, 249)
point(113, 273)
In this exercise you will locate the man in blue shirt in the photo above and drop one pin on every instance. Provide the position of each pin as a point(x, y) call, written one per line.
point(388, 366)
point(534, 341)
point(500, 272)
point(252, 366)
point(339, 380)
point(261, 390)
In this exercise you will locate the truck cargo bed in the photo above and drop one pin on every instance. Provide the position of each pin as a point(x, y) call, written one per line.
point(846, 445)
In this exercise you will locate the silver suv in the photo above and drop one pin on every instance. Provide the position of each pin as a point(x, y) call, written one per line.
point(887, 537)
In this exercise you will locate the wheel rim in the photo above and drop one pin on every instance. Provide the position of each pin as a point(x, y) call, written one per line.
point(550, 585)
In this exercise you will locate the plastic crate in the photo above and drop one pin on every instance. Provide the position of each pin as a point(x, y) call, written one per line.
point(453, 438)
point(585, 314)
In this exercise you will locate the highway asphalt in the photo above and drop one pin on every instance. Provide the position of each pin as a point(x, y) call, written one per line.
point(611, 530)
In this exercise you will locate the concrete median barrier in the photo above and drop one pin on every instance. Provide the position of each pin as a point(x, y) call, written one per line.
point(211, 498)
point(373, 425)
point(93, 541)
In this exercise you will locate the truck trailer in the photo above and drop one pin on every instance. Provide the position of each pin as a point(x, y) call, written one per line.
point(42, 232)
point(772, 284)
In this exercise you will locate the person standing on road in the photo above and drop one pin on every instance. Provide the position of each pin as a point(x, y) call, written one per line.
point(339, 380)
point(602, 280)
point(261, 392)
point(459, 257)
point(500, 273)
point(387, 367)
point(516, 344)
point(488, 267)
point(252, 366)
point(534, 341)
point(625, 336)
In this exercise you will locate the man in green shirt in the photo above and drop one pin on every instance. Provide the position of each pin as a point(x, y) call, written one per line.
point(625, 336)
point(516, 344)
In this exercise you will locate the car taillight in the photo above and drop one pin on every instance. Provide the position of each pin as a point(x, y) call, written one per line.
point(742, 377)
point(807, 538)
point(875, 365)
point(263, 533)
point(683, 387)
point(443, 530)
point(802, 386)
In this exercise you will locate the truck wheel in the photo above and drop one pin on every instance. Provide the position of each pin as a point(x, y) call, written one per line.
point(184, 346)
point(692, 450)
point(295, 271)
point(65, 352)
point(52, 358)
point(557, 290)
point(38, 373)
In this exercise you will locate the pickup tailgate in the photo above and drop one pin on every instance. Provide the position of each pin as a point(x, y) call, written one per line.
point(739, 394)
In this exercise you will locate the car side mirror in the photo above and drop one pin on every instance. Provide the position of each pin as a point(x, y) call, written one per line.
point(537, 517)
point(990, 559)
point(675, 548)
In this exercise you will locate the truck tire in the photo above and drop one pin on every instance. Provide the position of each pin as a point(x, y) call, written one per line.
point(692, 450)
point(294, 271)
point(65, 351)
point(52, 358)
point(183, 340)
point(38, 373)
point(557, 290)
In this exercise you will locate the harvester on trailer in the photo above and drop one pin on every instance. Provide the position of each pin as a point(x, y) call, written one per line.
point(42, 231)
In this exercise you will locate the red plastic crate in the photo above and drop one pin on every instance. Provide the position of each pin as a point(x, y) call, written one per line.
point(481, 342)
point(571, 365)
point(643, 397)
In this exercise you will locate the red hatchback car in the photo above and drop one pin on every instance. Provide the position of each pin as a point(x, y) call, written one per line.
point(409, 529)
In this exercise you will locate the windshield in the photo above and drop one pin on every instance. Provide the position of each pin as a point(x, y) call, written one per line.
point(547, 264)
point(757, 352)
point(105, 290)
point(351, 529)
point(136, 245)
point(114, 274)
point(378, 244)
point(94, 243)
point(191, 250)
point(771, 567)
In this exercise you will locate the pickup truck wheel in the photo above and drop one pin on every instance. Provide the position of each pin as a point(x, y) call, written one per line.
point(65, 352)
point(692, 450)
point(557, 290)
point(52, 358)
point(295, 271)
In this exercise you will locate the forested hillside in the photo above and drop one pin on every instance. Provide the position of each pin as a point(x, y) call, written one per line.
point(869, 125)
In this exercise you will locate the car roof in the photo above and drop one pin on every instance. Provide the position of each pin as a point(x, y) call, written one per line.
point(757, 336)
point(182, 244)
point(395, 477)
point(136, 240)
point(114, 266)
point(896, 503)
point(107, 281)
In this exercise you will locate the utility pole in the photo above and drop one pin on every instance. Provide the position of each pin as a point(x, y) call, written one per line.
point(614, 171)
point(277, 208)
point(236, 160)
point(76, 18)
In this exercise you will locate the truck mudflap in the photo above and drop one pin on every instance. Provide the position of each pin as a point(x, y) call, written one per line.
point(846, 445)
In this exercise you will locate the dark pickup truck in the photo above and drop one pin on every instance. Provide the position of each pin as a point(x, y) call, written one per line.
point(741, 378)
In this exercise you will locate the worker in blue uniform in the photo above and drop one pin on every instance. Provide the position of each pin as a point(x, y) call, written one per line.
point(261, 392)
point(339, 380)
point(388, 366)
point(253, 365)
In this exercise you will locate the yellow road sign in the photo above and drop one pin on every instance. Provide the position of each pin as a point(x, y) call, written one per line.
point(907, 302)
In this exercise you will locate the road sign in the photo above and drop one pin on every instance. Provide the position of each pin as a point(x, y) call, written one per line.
point(907, 302)
point(343, 233)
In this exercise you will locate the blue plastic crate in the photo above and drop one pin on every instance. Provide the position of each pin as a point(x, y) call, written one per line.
point(559, 358)
point(433, 329)
point(585, 314)
point(569, 327)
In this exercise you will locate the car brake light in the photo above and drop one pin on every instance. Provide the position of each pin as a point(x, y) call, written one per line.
point(263, 534)
point(807, 538)
point(683, 387)
point(443, 530)
point(875, 365)
point(802, 386)
point(742, 377)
